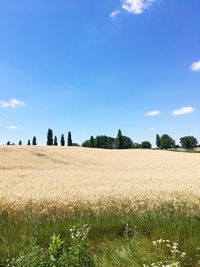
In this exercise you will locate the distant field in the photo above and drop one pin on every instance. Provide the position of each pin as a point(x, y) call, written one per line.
point(56, 179)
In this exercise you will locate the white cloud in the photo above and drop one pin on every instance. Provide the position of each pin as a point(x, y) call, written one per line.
point(115, 13)
point(195, 66)
point(183, 111)
point(13, 103)
point(152, 113)
point(2, 119)
point(12, 127)
point(133, 6)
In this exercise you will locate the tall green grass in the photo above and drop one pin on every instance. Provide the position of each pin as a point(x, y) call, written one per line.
point(120, 240)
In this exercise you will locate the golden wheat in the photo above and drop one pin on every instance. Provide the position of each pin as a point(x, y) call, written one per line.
point(58, 179)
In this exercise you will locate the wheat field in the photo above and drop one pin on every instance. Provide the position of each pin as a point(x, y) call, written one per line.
point(58, 179)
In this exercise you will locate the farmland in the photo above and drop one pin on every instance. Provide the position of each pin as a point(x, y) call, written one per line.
point(129, 198)
point(57, 180)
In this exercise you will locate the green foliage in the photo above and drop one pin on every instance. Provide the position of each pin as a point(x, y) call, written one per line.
point(146, 144)
point(34, 142)
point(55, 141)
point(29, 142)
point(86, 143)
point(158, 141)
point(49, 137)
point(75, 255)
point(119, 140)
point(55, 251)
point(188, 142)
point(166, 142)
point(62, 140)
point(69, 139)
point(20, 143)
point(91, 141)
point(107, 142)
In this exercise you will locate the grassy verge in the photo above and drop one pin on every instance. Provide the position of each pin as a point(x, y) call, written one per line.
point(121, 240)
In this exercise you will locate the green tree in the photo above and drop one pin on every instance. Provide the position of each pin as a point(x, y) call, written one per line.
point(49, 137)
point(34, 141)
point(146, 144)
point(158, 141)
point(127, 142)
point(55, 141)
point(166, 142)
point(86, 143)
point(188, 142)
point(97, 142)
point(29, 143)
point(91, 141)
point(62, 140)
point(69, 139)
point(8, 143)
point(119, 140)
point(20, 142)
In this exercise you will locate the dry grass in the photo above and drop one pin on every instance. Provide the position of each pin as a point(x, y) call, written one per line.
point(60, 179)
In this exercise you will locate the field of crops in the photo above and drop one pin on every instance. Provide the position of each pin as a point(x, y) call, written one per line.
point(58, 180)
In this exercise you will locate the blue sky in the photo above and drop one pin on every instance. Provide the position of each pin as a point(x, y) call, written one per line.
point(93, 67)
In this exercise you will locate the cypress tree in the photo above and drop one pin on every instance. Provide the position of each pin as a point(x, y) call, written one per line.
point(20, 142)
point(62, 140)
point(49, 137)
point(29, 143)
point(8, 143)
point(119, 140)
point(158, 141)
point(91, 141)
point(34, 142)
point(55, 141)
point(69, 139)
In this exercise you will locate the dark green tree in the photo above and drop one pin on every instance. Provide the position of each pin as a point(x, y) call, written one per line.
point(166, 142)
point(20, 142)
point(188, 142)
point(97, 142)
point(8, 143)
point(86, 143)
point(119, 140)
point(55, 141)
point(91, 141)
point(34, 141)
point(49, 137)
point(146, 144)
point(158, 141)
point(127, 142)
point(69, 139)
point(62, 140)
point(29, 143)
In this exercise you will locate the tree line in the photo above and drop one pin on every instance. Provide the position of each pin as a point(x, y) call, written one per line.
point(119, 142)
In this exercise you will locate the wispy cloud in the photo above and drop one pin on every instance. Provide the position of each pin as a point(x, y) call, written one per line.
point(13, 127)
point(115, 13)
point(133, 6)
point(182, 111)
point(2, 119)
point(195, 66)
point(13, 103)
point(152, 113)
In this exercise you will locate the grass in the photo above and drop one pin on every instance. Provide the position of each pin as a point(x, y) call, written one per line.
point(110, 243)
